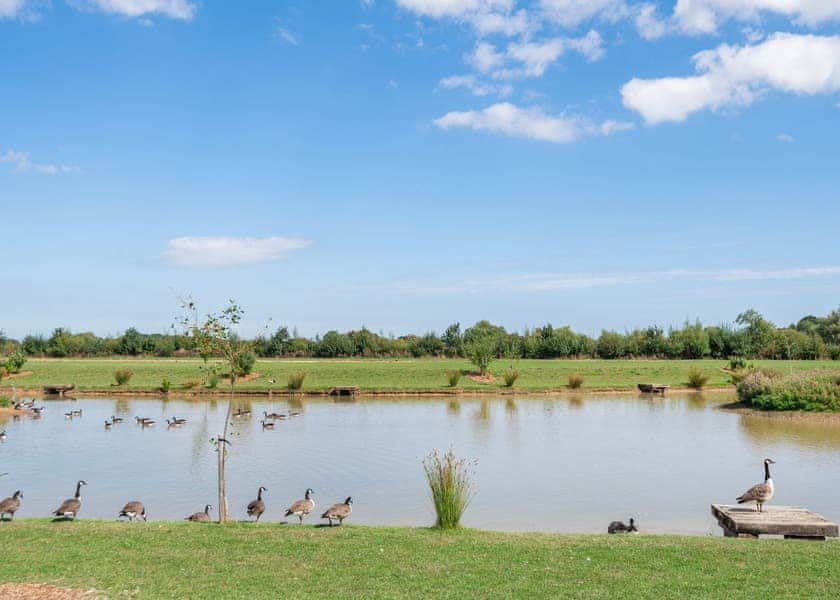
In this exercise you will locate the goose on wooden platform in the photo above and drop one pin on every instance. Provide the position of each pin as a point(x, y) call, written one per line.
point(69, 509)
point(760, 493)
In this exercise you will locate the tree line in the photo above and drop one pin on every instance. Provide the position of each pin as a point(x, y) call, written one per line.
point(750, 336)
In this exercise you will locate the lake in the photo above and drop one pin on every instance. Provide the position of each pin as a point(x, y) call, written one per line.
point(544, 463)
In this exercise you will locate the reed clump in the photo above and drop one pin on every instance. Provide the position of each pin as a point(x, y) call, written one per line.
point(294, 381)
point(450, 486)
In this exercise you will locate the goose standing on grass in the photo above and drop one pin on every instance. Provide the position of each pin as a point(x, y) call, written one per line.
point(70, 507)
point(133, 510)
point(302, 508)
point(257, 507)
point(620, 527)
point(760, 492)
point(9, 506)
point(201, 516)
point(339, 511)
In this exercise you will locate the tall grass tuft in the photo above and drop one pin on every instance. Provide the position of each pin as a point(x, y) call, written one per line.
point(575, 380)
point(165, 385)
point(123, 376)
point(697, 378)
point(510, 376)
point(294, 381)
point(450, 485)
point(453, 376)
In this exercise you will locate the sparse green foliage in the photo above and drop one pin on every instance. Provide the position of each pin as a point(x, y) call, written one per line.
point(123, 376)
point(15, 361)
point(453, 376)
point(5, 402)
point(213, 379)
point(294, 381)
point(510, 376)
point(814, 391)
point(480, 352)
point(697, 378)
point(737, 362)
point(245, 362)
point(165, 385)
point(450, 485)
point(575, 380)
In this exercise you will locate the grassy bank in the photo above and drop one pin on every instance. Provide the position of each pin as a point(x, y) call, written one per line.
point(183, 560)
point(391, 374)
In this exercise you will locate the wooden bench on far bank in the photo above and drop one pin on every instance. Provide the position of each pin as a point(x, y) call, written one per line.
point(59, 390)
point(653, 388)
point(344, 390)
point(790, 521)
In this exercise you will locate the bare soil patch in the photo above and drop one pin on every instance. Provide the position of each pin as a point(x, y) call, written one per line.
point(479, 378)
point(248, 377)
point(17, 375)
point(40, 591)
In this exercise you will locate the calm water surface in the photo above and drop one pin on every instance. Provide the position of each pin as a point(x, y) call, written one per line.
point(543, 463)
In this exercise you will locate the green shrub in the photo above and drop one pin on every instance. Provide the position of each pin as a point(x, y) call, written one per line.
point(697, 378)
point(213, 380)
point(510, 376)
point(575, 380)
point(294, 381)
point(165, 385)
point(245, 363)
point(453, 376)
point(480, 352)
point(737, 362)
point(450, 485)
point(15, 361)
point(811, 391)
point(123, 376)
point(5, 402)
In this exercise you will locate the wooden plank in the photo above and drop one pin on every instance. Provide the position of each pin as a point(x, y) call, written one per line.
point(790, 521)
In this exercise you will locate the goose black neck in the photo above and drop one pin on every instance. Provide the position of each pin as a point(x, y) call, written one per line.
point(766, 471)
point(259, 494)
point(78, 489)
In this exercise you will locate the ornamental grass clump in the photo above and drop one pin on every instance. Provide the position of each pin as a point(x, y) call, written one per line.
point(697, 378)
point(575, 381)
point(510, 376)
point(453, 376)
point(450, 485)
point(123, 376)
point(294, 381)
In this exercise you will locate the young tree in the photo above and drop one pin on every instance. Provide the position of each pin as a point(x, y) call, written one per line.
point(216, 336)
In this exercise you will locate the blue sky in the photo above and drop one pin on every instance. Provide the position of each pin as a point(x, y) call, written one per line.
point(402, 164)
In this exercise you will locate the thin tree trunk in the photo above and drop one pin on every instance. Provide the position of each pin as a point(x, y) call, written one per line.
point(223, 503)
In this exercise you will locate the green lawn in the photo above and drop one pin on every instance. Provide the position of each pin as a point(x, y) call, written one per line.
point(187, 560)
point(388, 374)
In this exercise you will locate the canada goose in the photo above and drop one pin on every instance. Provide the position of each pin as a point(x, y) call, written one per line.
point(133, 510)
point(108, 424)
point(620, 527)
point(115, 419)
point(70, 507)
point(9, 506)
point(37, 409)
point(200, 516)
point(3, 435)
point(272, 381)
point(267, 425)
point(76, 413)
point(302, 508)
point(178, 421)
point(257, 507)
point(760, 492)
point(68, 415)
point(172, 423)
point(273, 415)
point(294, 414)
point(339, 511)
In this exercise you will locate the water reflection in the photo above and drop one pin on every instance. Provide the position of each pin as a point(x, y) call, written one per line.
point(564, 452)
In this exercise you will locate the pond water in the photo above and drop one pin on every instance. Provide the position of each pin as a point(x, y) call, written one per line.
point(568, 464)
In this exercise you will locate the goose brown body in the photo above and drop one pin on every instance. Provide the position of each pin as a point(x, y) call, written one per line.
point(760, 493)
point(302, 508)
point(133, 510)
point(201, 516)
point(70, 508)
point(9, 506)
point(257, 507)
point(339, 511)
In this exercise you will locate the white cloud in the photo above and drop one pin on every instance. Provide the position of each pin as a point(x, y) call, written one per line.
point(648, 23)
point(731, 76)
point(473, 85)
point(22, 164)
point(175, 9)
point(287, 36)
point(229, 251)
point(571, 13)
point(531, 123)
point(12, 9)
point(785, 137)
point(485, 57)
point(455, 8)
point(704, 16)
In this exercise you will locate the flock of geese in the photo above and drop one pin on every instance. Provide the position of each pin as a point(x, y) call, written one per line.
point(136, 510)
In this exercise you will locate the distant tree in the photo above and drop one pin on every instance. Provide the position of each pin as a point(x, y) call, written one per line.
point(453, 341)
point(131, 342)
point(481, 352)
point(755, 335)
point(611, 345)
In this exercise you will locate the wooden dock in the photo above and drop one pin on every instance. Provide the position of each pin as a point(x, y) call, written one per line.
point(59, 390)
point(344, 390)
point(790, 521)
point(653, 388)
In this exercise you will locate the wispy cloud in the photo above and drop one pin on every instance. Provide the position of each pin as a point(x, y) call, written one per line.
point(174, 9)
point(547, 282)
point(21, 163)
point(785, 137)
point(229, 251)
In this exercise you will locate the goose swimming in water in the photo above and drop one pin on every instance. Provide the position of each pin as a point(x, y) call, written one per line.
point(760, 493)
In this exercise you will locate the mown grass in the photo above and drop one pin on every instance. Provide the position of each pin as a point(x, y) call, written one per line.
point(185, 560)
point(389, 374)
